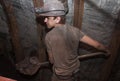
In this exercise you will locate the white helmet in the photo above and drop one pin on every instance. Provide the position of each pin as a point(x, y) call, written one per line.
point(52, 8)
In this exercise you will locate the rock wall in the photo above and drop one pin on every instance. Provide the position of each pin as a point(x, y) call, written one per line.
point(3, 24)
point(98, 23)
point(24, 12)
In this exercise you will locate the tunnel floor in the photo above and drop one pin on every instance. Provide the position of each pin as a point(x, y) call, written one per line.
point(7, 69)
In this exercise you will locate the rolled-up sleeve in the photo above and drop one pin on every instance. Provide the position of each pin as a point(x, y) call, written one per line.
point(78, 33)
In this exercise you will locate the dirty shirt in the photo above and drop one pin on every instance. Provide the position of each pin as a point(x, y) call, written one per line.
point(62, 42)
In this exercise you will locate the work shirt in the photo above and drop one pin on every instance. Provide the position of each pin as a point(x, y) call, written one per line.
point(62, 42)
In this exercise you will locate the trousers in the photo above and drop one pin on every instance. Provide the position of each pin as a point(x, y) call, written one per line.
point(74, 77)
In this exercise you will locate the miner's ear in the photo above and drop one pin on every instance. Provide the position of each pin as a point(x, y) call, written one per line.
point(58, 19)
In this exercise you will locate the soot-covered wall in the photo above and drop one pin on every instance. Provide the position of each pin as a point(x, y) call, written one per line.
point(98, 22)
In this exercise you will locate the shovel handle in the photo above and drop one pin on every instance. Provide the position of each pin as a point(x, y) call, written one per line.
point(90, 55)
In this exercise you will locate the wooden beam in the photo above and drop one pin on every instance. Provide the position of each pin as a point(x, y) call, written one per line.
point(41, 50)
point(108, 64)
point(13, 29)
point(41, 31)
point(78, 13)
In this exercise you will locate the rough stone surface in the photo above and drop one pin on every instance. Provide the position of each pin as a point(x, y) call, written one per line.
point(3, 24)
point(98, 22)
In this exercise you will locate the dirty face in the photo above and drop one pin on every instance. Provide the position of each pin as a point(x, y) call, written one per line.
point(50, 22)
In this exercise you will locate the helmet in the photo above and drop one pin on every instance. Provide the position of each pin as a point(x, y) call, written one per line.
point(53, 8)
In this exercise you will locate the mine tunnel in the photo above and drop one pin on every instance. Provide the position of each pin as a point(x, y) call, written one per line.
point(23, 51)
